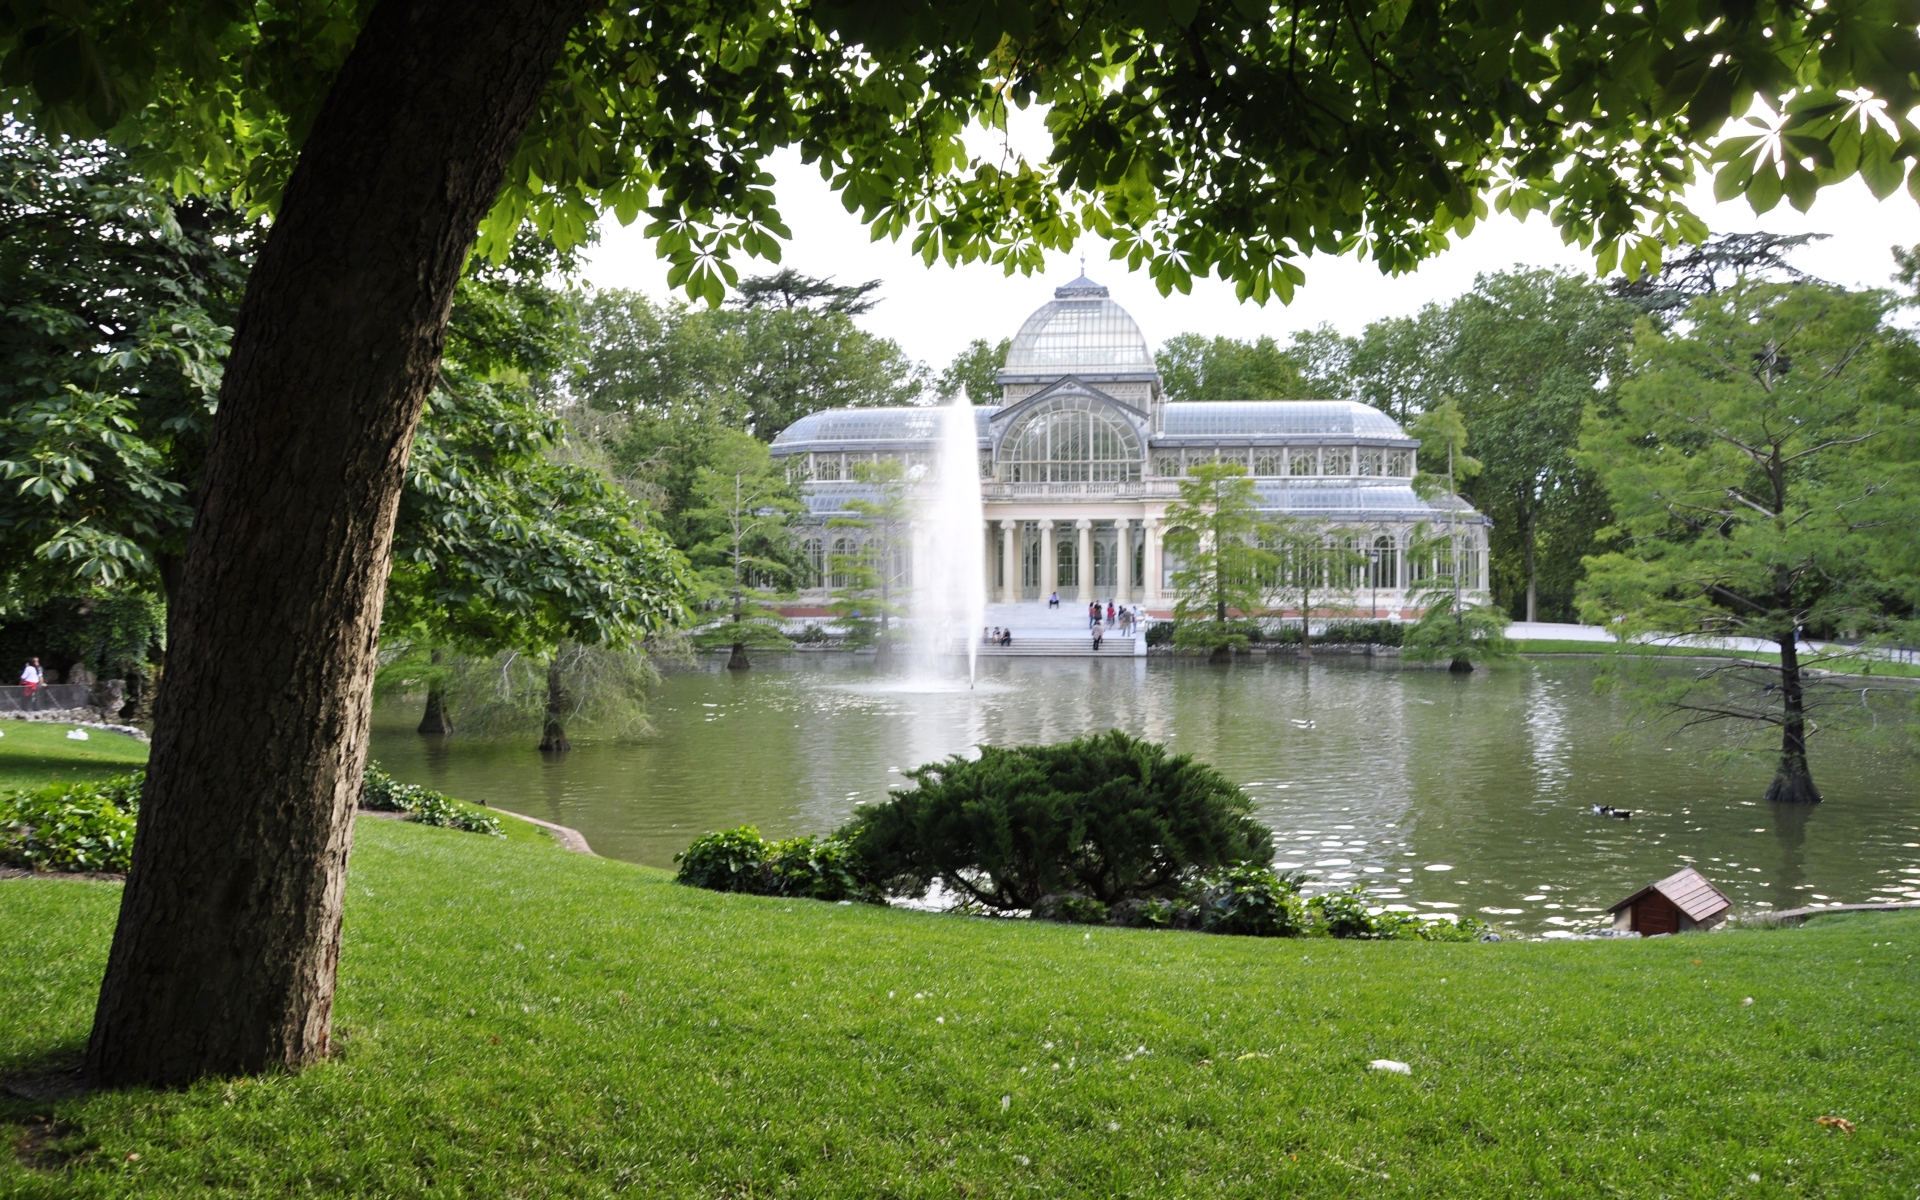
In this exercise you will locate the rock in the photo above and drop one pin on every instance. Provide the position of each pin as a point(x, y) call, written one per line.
point(109, 696)
point(1390, 1065)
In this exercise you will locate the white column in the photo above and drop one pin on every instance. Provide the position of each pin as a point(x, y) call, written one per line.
point(1010, 560)
point(987, 560)
point(1150, 593)
point(1085, 568)
point(1049, 561)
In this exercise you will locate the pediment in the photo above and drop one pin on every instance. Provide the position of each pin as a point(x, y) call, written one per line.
point(1067, 385)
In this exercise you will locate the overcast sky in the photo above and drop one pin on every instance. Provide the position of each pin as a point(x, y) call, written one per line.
point(934, 311)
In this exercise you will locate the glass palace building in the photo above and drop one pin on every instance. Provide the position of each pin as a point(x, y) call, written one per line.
point(1083, 455)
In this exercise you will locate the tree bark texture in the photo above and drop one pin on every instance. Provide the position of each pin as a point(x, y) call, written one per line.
point(224, 957)
point(737, 660)
point(1793, 779)
point(553, 733)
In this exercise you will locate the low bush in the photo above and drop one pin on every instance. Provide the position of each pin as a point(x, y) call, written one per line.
point(1250, 900)
point(1361, 633)
point(1352, 913)
point(1110, 817)
point(72, 826)
point(1160, 633)
point(740, 860)
point(381, 792)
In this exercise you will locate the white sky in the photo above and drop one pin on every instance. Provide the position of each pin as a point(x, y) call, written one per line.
point(935, 311)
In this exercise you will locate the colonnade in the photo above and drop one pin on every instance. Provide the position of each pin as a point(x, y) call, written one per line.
point(1005, 584)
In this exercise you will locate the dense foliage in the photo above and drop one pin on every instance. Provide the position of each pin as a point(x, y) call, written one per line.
point(661, 386)
point(115, 307)
point(1194, 367)
point(381, 792)
point(1109, 816)
point(1211, 137)
point(740, 860)
point(86, 826)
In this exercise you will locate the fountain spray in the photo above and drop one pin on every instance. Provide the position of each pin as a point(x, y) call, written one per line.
point(950, 595)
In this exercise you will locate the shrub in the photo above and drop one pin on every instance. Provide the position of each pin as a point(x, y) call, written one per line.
point(1250, 900)
point(739, 860)
point(381, 792)
point(1362, 633)
point(1345, 914)
point(1109, 816)
point(816, 869)
point(728, 861)
point(1083, 910)
point(1160, 633)
point(72, 826)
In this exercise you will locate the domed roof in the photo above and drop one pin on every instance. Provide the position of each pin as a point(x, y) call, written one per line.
point(1082, 332)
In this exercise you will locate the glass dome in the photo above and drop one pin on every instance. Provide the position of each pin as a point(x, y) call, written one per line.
point(1081, 332)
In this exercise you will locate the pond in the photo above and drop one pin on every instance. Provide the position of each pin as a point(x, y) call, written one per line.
point(1441, 793)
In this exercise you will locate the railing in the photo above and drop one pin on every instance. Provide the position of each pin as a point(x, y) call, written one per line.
point(1119, 490)
point(48, 697)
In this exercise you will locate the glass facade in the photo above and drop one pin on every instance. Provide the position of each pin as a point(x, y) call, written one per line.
point(1074, 440)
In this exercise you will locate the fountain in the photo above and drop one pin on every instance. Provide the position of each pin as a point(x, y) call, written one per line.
point(949, 576)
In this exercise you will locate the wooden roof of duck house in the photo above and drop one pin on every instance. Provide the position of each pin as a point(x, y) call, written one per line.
point(1683, 900)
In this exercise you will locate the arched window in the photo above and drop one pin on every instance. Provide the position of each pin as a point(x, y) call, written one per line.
point(1072, 439)
point(1170, 562)
point(814, 551)
point(1386, 563)
point(844, 563)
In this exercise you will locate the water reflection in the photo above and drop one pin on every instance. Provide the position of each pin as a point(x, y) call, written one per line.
point(1442, 793)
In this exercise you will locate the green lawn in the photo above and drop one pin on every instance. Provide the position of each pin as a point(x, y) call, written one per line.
point(1531, 646)
point(37, 752)
point(520, 1021)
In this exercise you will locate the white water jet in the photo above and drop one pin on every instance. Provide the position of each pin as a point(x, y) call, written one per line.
point(949, 571)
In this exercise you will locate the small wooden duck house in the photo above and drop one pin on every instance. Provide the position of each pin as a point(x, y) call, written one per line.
point(1682, 901)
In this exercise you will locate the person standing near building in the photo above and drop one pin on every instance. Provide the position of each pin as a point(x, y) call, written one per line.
point(1093, 614)
point(30, 678)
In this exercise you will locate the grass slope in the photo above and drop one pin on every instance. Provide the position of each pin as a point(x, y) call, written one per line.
point(1559, 646)
point(33, 753)
point(519, 1021)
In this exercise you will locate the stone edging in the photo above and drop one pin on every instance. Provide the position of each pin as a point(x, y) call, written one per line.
point(1794, 916)
point(568, 837)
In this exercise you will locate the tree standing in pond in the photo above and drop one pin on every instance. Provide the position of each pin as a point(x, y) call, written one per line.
point(745, 499)
point(864, 574)
point(1450, 628)
point(1217, 530)
point(1760, 469)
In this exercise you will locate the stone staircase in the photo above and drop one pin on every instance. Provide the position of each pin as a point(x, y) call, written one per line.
point(1055, 647)
point(1039, 631)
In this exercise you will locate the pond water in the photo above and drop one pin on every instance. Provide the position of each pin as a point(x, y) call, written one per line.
point(1441, 793)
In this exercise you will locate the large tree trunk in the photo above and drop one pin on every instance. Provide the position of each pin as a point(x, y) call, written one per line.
point(1792, 780)
point(553, 732)
point(229, 933)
